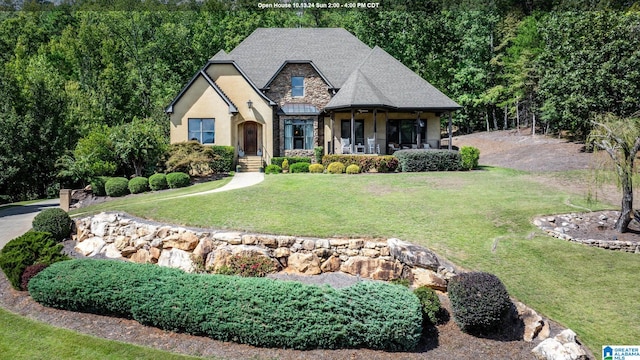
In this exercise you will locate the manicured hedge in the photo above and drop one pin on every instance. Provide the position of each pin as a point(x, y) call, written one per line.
point(480, 302)
point(178, 180)
point(54, 221)
point(273, 169)
point(222, 161)
point(365, 162)
point(301, 167)
point(97, 185)
point(138, 185)
point(117, 186)
point(31, 248)
point(386, 164)
point(256, 311)
point(158, 182)
point(469, 156)
point(291, 159)
point(428, 160)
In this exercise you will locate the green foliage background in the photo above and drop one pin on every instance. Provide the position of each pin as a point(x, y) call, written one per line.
point(69, 72)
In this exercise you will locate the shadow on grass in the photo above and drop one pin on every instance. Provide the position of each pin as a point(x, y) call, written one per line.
point(10, 210)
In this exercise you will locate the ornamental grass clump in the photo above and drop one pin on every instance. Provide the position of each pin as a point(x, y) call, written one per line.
point(55, 221)
point(480, 303)
point(256, 311)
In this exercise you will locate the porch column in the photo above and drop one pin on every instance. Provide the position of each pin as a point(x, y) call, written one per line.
point(333, 135)
point(450, 131)
point(386, 129)
point(375, 128)
point(353, 131)
point(418, 132)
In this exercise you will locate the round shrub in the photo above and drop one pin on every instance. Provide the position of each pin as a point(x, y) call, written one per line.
point(178, 180)
point(480, 302)
point(301, 167)
point(273, 169)
point(430, 302)
point(55, 221)
point(469, 156)
point(117, 186)
point(158, 182)
point(29, 272)
point(97, 185)
point(335, 168)
point(316, 168)
point(31, 248)
point(353, 169)
point(138, 185)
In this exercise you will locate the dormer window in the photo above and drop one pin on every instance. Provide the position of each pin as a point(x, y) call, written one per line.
point(297, 86)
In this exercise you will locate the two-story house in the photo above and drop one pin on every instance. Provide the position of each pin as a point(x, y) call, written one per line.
point(283, 92)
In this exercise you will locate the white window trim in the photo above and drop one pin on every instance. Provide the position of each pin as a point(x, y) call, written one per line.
point(201, 132)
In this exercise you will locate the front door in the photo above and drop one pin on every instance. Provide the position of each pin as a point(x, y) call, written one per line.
point(250, 138)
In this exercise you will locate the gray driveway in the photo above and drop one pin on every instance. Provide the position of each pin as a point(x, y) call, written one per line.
point(16, 220)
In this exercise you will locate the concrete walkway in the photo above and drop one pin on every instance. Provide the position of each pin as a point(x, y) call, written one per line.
point(238, 181)
point(16, 220)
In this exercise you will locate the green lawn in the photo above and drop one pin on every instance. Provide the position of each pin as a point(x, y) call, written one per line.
point(480, 220)
point(27, 339)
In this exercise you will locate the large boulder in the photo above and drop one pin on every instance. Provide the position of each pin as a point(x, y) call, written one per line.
point(428, 278)
point(413, 255)
point(90, 247)
point(377, 269)
point(176, 258)
point(534, 325)
point(308, 264)
point(563, 346)
point(186, 241)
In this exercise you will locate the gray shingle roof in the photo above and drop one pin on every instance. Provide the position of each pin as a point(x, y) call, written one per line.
point(381, 80)
point(364, 76)
point(336, 52)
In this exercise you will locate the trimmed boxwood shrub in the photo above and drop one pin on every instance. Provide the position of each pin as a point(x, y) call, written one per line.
point(300, 167)
point(31, 248)
point(428, 160)
point(256, 311)
point(431, 308)
point(116, 186)
point(480, 302)
point(469, 156)
point(158, 182)
point(138, 185)
point(386, 164)
point(290, 159)
point(55, 221)
point(353, 169)
point(178, 180)
point(316, 168)
point(273, 169)
point(365, 162)
point(335, 168)
point(97, 185)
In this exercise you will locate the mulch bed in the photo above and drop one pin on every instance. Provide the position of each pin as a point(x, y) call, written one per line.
point(449, 342)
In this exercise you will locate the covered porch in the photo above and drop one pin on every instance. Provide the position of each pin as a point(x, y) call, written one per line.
point(382, 131)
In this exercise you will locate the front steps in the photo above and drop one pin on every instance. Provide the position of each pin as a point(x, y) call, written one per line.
point(250, 163)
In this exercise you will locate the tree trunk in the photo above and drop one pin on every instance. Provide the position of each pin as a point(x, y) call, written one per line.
point(622, 224)
point(495, 121)
point(505, 118)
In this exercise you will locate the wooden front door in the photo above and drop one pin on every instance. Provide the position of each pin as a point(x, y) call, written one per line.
point(250, 138)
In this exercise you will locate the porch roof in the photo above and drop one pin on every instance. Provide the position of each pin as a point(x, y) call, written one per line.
point(382, 81)
point(298, 109)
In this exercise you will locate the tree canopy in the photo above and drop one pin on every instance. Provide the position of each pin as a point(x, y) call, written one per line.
point(68, 69)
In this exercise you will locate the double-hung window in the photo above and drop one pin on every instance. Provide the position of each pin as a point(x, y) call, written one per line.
point(297, 86)
point(298, 134)
point(345, 130)
point(202, 130)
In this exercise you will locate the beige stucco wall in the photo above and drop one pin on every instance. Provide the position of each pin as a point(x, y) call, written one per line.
point(431, 120)
point(201, 101)
point(239, 91)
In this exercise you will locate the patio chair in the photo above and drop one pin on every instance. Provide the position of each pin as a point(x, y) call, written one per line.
point(371, 143)
point(346, 148)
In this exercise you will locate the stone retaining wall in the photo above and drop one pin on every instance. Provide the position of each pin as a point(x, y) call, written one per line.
point(119, 236)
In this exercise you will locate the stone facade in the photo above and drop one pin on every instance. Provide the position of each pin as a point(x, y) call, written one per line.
point(116, 235)
point(316, 93)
